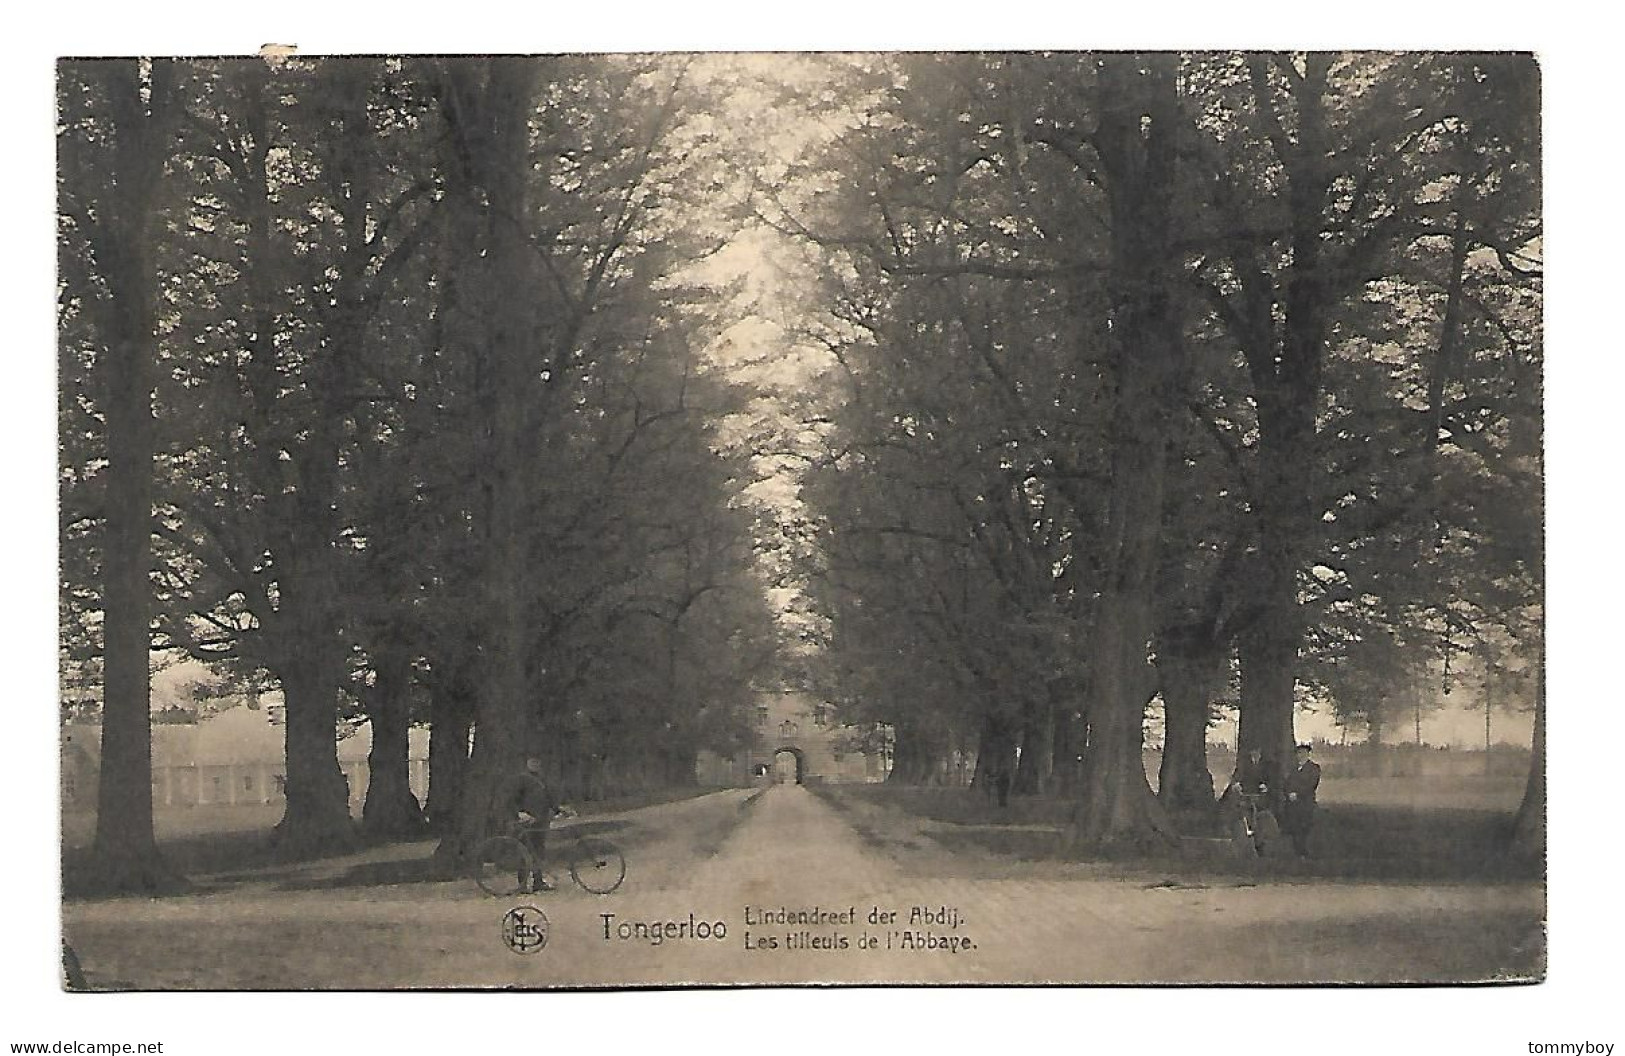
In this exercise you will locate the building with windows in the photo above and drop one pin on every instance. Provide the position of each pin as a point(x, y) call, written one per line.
point(233, 758)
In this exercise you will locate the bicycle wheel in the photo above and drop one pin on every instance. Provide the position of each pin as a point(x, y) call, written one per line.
point(503, 866)
point(597, 865)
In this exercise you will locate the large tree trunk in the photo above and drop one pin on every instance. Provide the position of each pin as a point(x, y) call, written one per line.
point(1188, 668)
point(488, 107)
point(995, 757)
point(451, 722)
point(391, 810)
point(125, 850)
point(1135, 143)
point(1037, 763)
point(1068, 742)
point(1529, 827)
point(1268, 646)
point(298, 470)
point(1287, 379)
point(316, 819)
point(915, 761)
point(310, 657)
point(1116, 806)
point(1268, 655)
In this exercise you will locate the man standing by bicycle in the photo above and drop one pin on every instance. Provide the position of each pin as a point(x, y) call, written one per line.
point(525, 804)
point(1248, 803)
point(1298, 813)
point(1252, 779)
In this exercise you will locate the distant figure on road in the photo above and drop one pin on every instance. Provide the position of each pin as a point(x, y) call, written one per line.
point(524, 802)
point(1298, 815)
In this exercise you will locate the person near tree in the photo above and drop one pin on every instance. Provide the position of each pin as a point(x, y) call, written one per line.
point(1298, 812)
point(526, 804)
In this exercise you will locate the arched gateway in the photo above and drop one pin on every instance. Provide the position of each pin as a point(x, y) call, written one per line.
point(795, 737)
point(789, 765)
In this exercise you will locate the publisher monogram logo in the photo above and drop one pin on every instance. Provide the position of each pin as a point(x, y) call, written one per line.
point(524, 929)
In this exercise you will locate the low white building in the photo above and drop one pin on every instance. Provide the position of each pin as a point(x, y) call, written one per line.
point(233, 758)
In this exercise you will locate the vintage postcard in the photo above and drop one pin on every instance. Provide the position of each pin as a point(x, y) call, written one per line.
point(665, 520)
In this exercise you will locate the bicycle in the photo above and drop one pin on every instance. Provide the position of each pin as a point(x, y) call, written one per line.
point(504, 863)
point(1258, 823)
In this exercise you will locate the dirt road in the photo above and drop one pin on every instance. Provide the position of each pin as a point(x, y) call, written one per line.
point(777, 887)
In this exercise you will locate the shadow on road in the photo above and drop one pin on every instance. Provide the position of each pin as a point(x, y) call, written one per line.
point(217, 863)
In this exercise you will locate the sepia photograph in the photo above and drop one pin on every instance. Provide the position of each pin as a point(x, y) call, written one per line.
point(612, 520)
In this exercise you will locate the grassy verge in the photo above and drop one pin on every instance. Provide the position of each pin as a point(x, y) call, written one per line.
point(1414, 838)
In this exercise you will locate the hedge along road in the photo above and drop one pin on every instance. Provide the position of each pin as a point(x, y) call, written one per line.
point(777, 887)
